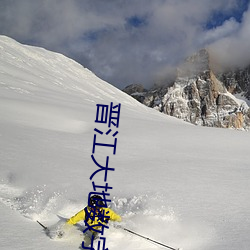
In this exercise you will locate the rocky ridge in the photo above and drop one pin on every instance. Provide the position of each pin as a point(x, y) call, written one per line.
point(200, 96)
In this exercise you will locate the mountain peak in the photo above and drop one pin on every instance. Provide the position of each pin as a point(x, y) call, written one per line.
point(197, 64)
point(200, 96)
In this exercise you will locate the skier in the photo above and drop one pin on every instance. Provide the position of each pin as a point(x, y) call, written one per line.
point(96, 216)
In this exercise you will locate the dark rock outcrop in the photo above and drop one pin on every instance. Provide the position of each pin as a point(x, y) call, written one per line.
point(199, 96)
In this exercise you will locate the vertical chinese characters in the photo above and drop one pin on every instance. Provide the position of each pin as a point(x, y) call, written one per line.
point(107, 118)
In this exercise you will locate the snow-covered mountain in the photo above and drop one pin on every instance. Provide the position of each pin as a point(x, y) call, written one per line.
point(182, 185)
point(237, 81)
point(201, 96)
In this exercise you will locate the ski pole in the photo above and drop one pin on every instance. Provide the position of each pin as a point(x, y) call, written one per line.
point(45, 228)
point(150, 239)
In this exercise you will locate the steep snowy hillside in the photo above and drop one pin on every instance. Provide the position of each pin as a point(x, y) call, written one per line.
point(182, 185)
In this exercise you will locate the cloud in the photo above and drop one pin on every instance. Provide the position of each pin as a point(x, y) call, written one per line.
point(232, 50)
point(228, 28)
point(121, 41)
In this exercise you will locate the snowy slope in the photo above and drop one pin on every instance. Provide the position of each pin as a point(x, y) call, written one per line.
point(182, 185)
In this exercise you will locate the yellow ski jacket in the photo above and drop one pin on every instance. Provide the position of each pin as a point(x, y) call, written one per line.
point(94, 221)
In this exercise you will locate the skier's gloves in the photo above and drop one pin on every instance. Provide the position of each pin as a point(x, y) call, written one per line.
point(60, 233)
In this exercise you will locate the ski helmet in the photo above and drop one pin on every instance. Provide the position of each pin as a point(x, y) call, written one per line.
point(96, 201)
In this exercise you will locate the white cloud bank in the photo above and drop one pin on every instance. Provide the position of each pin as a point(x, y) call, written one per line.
point(129, 41)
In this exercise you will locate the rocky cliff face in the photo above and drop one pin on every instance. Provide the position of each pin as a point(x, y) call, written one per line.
point(201, 97)
point(237, 81)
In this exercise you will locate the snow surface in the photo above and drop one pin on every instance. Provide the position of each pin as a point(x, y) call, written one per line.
point(183, 185)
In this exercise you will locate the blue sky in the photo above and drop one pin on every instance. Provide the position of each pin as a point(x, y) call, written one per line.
point(218, 17)
point(131, 41)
